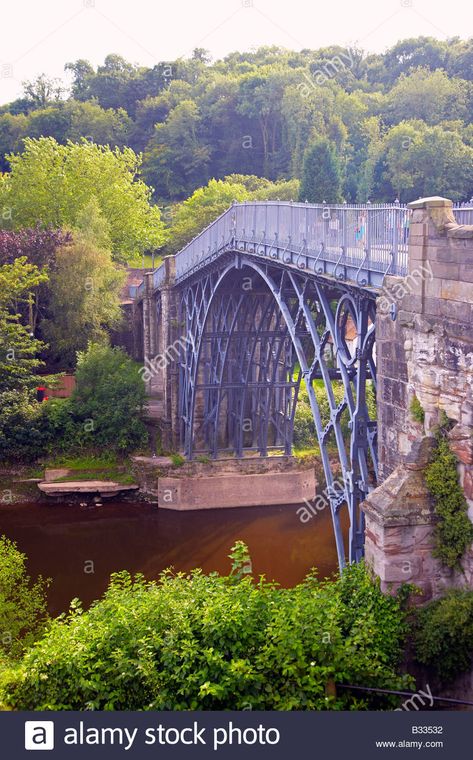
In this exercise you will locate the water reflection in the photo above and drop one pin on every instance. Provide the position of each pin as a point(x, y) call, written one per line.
point(67, 542)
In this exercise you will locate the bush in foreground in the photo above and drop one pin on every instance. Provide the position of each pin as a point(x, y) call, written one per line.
point(211, 642)
point(109, 398)
point(23, 436)
point(444, 634)
point(22, 602)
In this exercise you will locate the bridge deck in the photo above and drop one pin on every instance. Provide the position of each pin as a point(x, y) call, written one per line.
point(358, 243)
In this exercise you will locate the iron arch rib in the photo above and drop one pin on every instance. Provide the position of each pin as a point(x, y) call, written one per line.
point(240, 362)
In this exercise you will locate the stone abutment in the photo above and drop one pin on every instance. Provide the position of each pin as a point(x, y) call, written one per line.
point(424, 340)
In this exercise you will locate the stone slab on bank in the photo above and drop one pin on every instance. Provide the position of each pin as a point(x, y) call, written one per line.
point(236, 490)
point(102, 487)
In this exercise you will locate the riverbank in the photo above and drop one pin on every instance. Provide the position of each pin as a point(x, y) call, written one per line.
point(170, 481)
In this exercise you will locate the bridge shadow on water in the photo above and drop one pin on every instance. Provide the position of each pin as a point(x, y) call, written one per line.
point(62, 542)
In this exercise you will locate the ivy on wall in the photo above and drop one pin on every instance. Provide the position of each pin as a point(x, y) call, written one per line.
point(454, 530)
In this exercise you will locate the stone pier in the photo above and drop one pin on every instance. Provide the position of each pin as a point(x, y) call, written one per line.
point(424, 342)
point(225, 483)
point(160, 351)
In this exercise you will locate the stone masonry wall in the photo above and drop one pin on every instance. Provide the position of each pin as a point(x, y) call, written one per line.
point(424, 334)
point(160, 353)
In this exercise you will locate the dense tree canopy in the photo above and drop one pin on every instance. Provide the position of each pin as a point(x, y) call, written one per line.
point(257, 112)
point(50, 184)
point(321, 180)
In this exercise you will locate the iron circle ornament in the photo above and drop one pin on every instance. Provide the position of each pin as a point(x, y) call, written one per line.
point(346, 320)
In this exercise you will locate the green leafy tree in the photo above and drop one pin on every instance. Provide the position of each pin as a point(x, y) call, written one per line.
point(50, 184)
point(176, 158)
point(21, 435)
point(12, 130)
point(425, 52)
point(102, 126)
point(109, 84)
point(321, 176)
point(51, 121)
point(155, 109)
point(82, 71)
point(201, 208)
point(260, 94)
point(307, 108)
point(43, 90)
point(85, 290)
point(415, 161)
point(18, 348)
point(39, 246)
point(429, 96)
point(460, 59)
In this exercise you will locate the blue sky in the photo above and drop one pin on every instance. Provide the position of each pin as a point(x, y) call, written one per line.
point(41, 36)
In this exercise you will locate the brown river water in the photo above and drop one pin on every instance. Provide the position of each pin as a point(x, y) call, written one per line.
point(79, 548)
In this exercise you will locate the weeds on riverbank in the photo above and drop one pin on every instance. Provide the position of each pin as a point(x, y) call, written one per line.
point(196, 641)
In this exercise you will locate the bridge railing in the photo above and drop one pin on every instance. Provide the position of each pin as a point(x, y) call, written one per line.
point(159, 275)
point(372, 237)
point(377, 233)
point(464, 213)
point(206, 245)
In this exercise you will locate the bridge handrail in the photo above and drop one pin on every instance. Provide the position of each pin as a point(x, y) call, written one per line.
point(335, 228)
point(375, 234)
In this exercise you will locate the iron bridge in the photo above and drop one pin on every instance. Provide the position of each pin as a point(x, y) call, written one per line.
point(276, 301)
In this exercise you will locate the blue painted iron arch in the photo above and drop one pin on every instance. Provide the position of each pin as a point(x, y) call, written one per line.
point(323, 328)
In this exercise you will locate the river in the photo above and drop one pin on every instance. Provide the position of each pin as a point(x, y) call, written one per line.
point(79, 547)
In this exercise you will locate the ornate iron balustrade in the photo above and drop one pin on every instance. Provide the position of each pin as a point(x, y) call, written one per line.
point(464, 213)
point(354, 243)
point(359, 242)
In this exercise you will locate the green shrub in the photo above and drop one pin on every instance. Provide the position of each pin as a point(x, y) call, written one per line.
point(22, 603)
point(209, 642)
point(109, 399)
point(105, 411)
point(63, 431)
point(22, 433)
point(443, 637)
point(454, 531)
point(305, 435)
point(417, 411)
